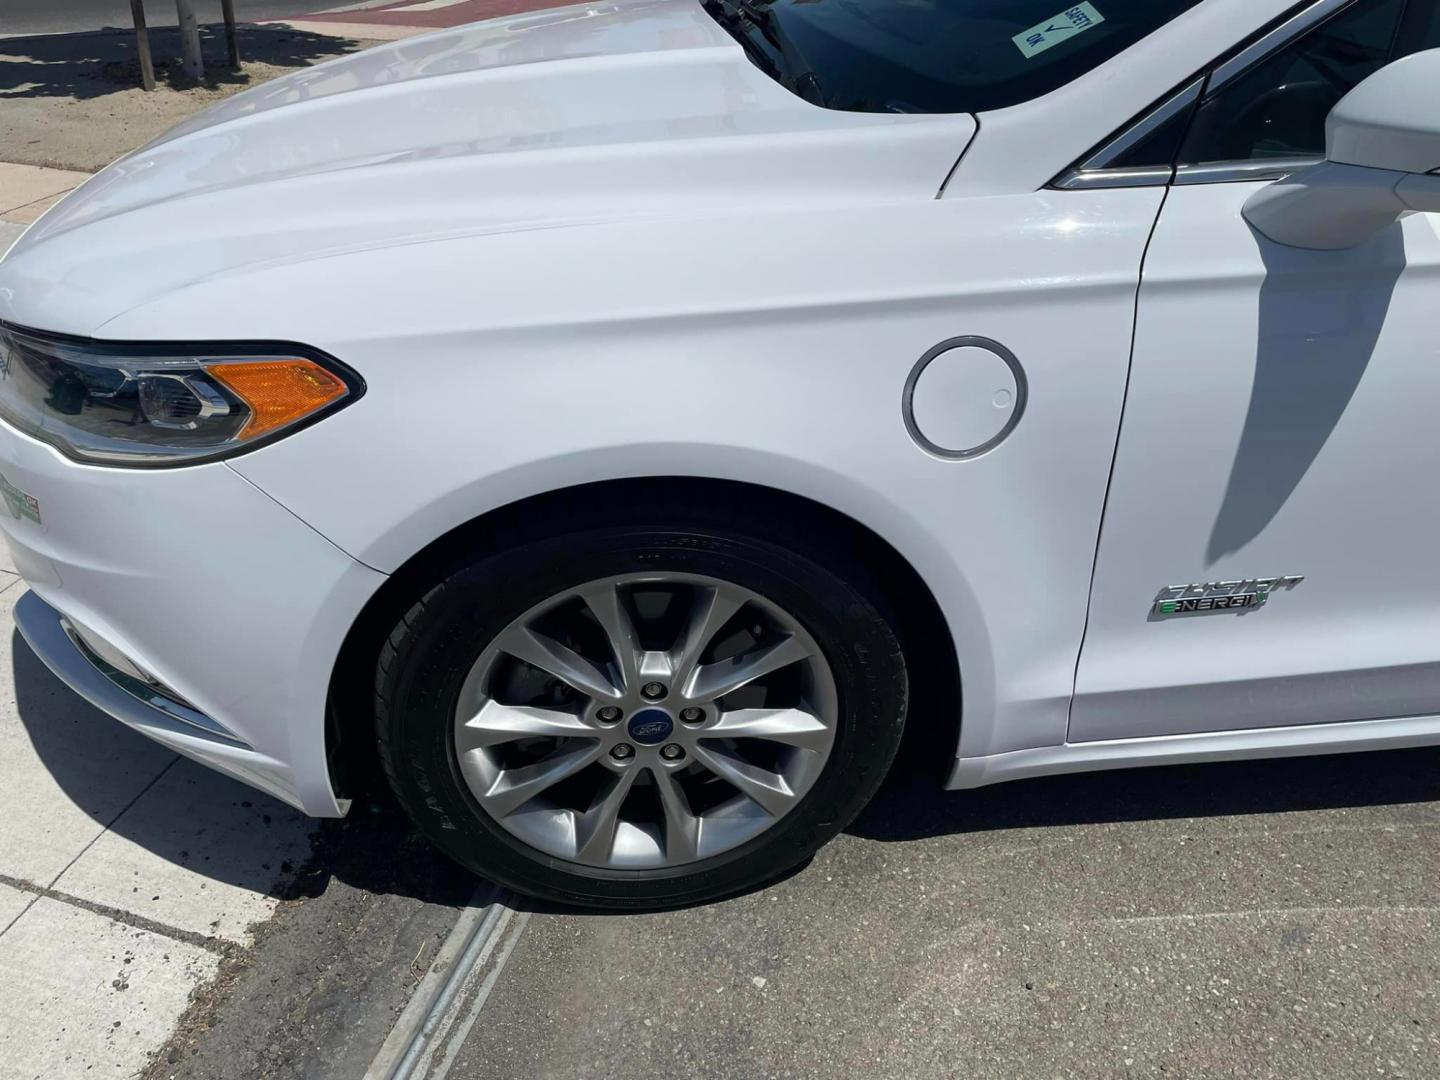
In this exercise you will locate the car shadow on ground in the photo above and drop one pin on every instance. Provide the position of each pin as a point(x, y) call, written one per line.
point(375, 849)
point(908, 806)
point(211, 825)
point(96, 63)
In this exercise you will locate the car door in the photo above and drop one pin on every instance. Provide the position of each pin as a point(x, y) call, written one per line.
point(1268, 551)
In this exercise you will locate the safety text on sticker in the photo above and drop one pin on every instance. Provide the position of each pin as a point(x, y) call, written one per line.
point(1062, 27)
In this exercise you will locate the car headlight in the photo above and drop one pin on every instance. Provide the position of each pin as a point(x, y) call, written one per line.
point(111, 403)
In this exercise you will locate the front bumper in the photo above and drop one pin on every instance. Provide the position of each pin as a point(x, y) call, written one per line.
point(203, 582)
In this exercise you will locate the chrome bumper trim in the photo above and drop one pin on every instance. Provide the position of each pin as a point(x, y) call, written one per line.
point(109, 689)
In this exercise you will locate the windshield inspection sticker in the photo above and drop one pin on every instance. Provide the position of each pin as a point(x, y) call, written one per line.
point(19, 503)
point(1062, 27)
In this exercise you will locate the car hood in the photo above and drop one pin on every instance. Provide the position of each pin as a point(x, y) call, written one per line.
point(562, 118)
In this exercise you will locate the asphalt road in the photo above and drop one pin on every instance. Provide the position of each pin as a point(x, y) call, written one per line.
point(71, 16)
point(1267, 919)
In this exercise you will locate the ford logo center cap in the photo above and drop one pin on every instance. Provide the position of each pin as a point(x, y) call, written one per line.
point(651, 726)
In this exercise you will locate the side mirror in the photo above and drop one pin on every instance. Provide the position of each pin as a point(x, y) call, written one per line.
point(1382, 151)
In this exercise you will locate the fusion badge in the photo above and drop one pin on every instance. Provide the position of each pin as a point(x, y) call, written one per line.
point(1217, 596)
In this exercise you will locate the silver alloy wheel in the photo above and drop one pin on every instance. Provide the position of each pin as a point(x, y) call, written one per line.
point(541, 748)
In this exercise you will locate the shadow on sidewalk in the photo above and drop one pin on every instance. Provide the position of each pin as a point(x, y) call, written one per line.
point(213, 826)
point(96, 63)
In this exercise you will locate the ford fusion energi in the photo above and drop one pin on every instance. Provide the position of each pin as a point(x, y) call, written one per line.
point(622, 425)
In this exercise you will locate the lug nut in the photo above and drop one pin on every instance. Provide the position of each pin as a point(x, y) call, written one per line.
point(692, 715)
point(672, 751)
point(609, 714)
point(653, 691)
point(622, 751)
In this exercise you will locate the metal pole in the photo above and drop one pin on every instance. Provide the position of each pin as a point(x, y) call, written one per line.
point(142, 45)
point(190, 39)
point(231, 42)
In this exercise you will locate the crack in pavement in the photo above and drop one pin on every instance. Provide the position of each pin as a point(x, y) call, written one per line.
point(128, 918)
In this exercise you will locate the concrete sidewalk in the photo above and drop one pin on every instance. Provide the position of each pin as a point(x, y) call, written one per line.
point(27, 191)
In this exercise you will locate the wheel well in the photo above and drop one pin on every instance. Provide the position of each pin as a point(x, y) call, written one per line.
point(924, 635)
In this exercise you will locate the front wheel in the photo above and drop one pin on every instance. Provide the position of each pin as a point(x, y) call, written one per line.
point(640, 716)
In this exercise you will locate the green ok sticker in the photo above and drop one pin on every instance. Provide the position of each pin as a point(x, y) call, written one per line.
point(1062, 27)
point(19, 503)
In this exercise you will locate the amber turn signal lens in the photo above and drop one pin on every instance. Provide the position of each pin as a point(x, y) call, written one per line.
point(278, 392)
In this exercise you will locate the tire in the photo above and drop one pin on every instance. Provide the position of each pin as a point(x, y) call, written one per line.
point(446, 654)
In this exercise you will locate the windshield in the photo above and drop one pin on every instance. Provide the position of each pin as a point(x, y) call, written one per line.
point(934, 56)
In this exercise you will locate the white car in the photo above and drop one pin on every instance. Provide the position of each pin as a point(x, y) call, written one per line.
point(626, 419)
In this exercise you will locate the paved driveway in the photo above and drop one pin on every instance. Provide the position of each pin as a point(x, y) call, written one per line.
point(1268, 919)
point(1276, 919)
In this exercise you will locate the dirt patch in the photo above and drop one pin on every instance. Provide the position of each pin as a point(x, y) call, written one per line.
point(73, 101)
point(320, 989)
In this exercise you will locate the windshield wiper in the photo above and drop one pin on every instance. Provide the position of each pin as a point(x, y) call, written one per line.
point(739, 17)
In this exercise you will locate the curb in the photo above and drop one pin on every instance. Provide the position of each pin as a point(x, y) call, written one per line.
point(459, 981)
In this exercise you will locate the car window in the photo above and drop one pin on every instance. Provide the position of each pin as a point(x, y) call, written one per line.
point(935, 56)
point(1278, 108)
